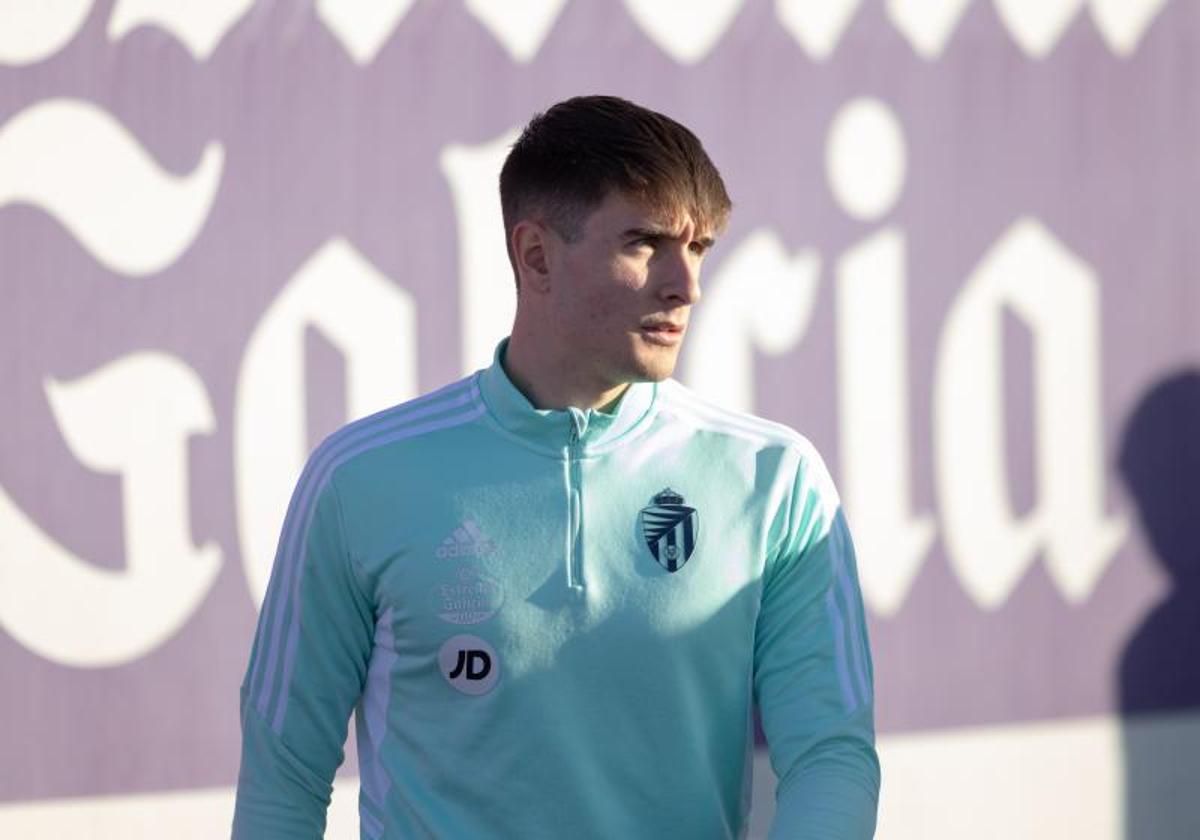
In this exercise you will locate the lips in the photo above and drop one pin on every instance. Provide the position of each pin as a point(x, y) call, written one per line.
point(663, 332)
point(663, 327)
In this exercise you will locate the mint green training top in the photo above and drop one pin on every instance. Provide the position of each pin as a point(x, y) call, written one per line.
point(555, 623)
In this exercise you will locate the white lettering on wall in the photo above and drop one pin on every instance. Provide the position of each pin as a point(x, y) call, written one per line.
point(866, 158)
point(1037, 25)
point(372, 322)
point(198, 26)
point(362, 27)
point(35, 31)
point(684, 31)
point(131, 418)
point(1055, 294)
point(1122, 23)
point(816, 26)
point(760, 301)
point(926, 26)
point(521, 26)
point(873, 419)
point(867, 165)
point(487, 290)
point(133, 216)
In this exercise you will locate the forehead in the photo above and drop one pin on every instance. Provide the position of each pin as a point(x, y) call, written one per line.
point(619, 212)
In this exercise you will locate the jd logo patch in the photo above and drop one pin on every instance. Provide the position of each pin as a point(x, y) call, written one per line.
point(670, 529)
point(469, 664)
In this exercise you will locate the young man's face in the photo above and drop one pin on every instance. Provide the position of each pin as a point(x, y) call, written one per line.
point(623, 292)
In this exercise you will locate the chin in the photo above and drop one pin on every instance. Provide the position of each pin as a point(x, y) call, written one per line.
point(655, 369)
point(642, 362)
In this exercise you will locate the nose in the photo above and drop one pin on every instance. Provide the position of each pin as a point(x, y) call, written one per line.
point(681, 286)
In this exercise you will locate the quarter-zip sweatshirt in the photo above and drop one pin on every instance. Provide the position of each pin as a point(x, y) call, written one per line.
point(556, 623)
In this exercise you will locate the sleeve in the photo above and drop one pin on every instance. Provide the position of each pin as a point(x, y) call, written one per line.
point(307, 670)
point(813, 677)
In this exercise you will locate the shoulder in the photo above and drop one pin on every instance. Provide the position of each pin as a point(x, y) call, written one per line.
point(686, 406)
point(794, 454)
point(446, 408)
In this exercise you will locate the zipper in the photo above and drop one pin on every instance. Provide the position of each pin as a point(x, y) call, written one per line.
point(574, 480)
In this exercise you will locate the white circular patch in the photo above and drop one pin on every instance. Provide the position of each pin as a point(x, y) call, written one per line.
point(866, 158)
point(469, 664)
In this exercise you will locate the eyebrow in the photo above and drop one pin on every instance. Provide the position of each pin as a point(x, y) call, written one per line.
point(661, 233)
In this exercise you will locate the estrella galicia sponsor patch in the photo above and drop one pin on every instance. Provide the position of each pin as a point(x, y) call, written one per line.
point(472, 598)
point(670, 529)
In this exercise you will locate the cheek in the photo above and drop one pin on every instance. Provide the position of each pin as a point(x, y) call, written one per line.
point(582, 311)
point(604, 298)
point(629, 274)
point(618, 291)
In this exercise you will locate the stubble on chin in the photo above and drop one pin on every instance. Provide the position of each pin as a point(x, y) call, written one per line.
point(658, 366)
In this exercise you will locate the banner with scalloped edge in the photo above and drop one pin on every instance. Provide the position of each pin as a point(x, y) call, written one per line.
point(963, 261)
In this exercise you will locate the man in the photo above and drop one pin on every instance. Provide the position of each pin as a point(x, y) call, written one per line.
point(554, 589)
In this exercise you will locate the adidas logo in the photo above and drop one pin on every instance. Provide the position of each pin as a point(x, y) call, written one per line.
point(466, 541)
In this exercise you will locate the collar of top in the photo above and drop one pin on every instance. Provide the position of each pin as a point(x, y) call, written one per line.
point(553, 430)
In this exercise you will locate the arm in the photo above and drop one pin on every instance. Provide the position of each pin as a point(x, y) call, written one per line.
point(306, 672)
point(812, 672)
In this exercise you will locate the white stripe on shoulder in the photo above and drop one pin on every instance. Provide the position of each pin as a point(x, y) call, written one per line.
point(449, 407)
point(689, 407)
point(699, 421)
point(409, 427)
point(449, 397)
point(734, 422)
point(295, 546)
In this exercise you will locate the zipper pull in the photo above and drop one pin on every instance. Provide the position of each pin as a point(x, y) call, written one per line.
point(578, 422)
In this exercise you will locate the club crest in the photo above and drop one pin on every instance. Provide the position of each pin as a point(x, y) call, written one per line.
point(670, 529)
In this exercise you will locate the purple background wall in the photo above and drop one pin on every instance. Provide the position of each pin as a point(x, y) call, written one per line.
point(1095, 142)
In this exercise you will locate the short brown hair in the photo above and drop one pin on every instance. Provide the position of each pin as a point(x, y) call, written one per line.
point(571, 156)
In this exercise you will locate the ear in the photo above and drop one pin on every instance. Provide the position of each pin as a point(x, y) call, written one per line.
point(532, 247)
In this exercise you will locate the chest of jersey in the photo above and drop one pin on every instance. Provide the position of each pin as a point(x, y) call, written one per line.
point(494, 571)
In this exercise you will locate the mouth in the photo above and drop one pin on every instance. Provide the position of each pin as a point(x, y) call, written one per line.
point(664, 333)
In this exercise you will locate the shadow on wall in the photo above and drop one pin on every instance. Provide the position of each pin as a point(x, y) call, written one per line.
point(1160, 669)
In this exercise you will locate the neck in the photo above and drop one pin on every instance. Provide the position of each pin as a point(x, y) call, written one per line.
point(547, 377)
